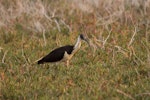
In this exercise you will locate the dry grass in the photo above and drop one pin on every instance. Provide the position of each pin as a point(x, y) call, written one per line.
point(116, 67)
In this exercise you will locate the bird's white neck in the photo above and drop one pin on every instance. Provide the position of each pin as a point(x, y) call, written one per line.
point(78, 44)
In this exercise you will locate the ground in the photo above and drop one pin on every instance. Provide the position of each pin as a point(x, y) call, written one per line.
point(116, 66)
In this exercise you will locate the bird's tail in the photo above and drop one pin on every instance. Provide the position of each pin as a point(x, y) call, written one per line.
point(40, 61)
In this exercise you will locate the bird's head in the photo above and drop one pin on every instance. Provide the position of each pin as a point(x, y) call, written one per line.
point(83, 37)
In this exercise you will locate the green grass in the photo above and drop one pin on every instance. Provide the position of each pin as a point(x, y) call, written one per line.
point(108, 75)
point(115, 71)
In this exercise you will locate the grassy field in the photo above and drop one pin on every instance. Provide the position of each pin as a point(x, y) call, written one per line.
point(116, 67)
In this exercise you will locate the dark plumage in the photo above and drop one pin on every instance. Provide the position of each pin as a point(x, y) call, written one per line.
point(51, 57)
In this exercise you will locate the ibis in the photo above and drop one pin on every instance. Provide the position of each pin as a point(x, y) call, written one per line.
point(64, 53)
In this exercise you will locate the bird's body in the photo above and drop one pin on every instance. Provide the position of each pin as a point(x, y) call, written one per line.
point(51, 57)
point(63, 53)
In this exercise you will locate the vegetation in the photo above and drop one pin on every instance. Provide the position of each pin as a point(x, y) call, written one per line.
point(116, 66)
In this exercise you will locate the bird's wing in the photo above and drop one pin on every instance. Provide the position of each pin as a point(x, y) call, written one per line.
point(54, 56)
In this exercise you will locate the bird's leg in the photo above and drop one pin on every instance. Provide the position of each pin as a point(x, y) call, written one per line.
point(67, 63)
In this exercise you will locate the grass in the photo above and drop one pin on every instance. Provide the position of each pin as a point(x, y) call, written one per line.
point(116, 67)
point(101, 76)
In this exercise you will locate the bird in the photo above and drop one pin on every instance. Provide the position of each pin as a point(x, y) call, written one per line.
point(64, 53)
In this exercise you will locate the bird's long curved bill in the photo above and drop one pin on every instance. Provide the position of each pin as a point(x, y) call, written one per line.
point(86, 40)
